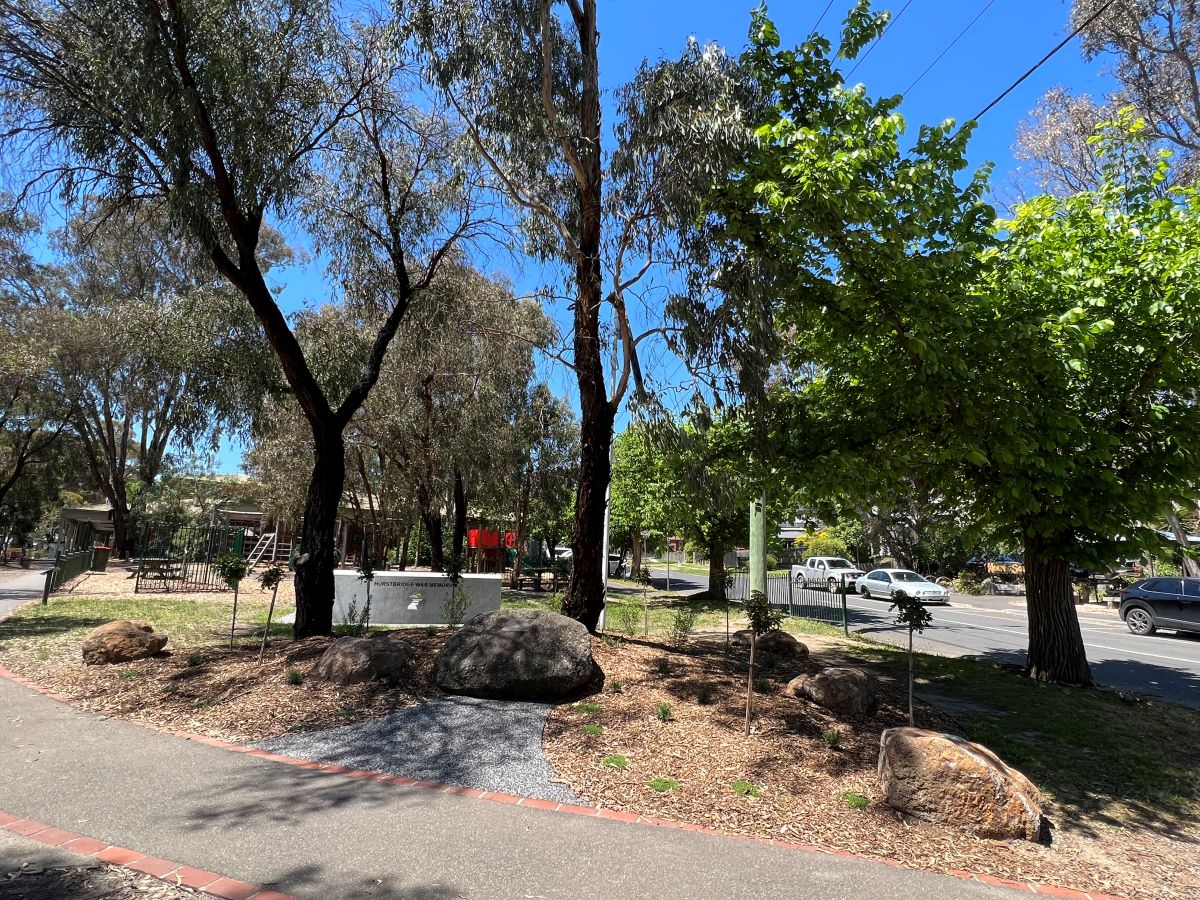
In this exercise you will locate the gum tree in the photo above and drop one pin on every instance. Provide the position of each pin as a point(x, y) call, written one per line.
point(229, 114)
point(525, 77)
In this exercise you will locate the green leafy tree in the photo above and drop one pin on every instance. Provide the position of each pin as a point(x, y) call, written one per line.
point(269, 578)
point(637, 500)
point(232, 568)
point(525, 74)
point(913, 615)
point(231, 115)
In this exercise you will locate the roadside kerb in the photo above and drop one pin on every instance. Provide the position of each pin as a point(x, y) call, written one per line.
point(546, 806)
point(164, 870)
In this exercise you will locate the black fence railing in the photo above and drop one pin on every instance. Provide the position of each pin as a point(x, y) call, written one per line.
point(66, 566)
point(185, 559)
point(794, 598)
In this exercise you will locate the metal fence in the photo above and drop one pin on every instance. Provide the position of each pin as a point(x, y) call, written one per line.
point(794, 598)
point(66, 566)
point(185, 559)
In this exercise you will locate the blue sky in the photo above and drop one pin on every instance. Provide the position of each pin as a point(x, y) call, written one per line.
point(1009, 37)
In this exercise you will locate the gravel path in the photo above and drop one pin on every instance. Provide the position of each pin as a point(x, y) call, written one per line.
point(487, 744)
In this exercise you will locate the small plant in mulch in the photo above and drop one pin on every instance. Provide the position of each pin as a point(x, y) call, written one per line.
point(431, 630)
point(592, 730)
point(682, 624)
point(232, 568)
point(911, 613)
point(194, 659)
point(269, 579)
point(763, 618)
point(762, 685)
point(855, 800)
point(294, 677)
point(663, 666)
point(170, 688)
point(663, 712)
point(616, 761)
point(833, 738)
point(704, 694)
point(744, 788)
point(129, 673)
point(347, 712)
point(616, 686)
point(589, 708)
point(664, 785)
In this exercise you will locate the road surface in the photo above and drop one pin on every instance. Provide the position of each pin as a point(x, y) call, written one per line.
point(17, 589)
point(994, 628)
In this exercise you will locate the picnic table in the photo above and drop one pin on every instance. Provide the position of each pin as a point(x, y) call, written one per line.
point(535, 578)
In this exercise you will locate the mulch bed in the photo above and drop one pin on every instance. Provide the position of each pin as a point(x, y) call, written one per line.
point(804, 781)
point(228, 694)
point(88, 881)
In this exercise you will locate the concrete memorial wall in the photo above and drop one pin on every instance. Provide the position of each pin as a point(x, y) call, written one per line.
point(411, 598)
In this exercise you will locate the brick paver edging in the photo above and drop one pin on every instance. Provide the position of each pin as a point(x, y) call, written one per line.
point(568, 808)
point(163, 869)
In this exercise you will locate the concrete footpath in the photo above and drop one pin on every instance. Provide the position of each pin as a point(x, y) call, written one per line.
point(321, 835)
point(20, 589)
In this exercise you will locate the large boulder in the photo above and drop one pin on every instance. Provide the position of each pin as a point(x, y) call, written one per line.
point(353, 660)
point(779, 643)
point(842, 690)
point(121, 641)
point(944, 778)
point(517, 654)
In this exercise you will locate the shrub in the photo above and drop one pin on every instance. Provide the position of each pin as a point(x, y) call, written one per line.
point(347, 712)
point(663, 666)
point(762, 685)
point(592, 730)
point(616, 686)
point(622, 618)
point(431, 630)
point(663, 712)
point(966, 583)
point(455, 606)
point(589, 708)
point(294, 677)
point(833, 738)
point(855, 800)
point(129, 673)
point(663, 785)
point(194, 659)
point(704, 694)
point(170, 688)
point(616, 761)
point(682, 624)
point(744, 788)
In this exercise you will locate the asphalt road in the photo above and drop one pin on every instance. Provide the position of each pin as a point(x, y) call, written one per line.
point(19, 587)
point(994, 628)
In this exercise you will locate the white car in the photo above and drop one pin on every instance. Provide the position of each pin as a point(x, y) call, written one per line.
point(826, 571)
point(887, 583)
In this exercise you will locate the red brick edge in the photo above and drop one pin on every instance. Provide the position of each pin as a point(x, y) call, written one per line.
point(568, 808)
point(163, 869)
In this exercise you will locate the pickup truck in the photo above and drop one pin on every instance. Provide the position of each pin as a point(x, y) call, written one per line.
point(827, 572)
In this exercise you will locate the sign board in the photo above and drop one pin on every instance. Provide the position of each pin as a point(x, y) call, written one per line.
point(411, 598)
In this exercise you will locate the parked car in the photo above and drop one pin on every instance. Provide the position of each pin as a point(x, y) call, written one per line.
point(888, 583)
point(1153, 603)
point(825, 571)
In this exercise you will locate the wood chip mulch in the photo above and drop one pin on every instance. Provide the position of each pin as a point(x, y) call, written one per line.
point(803, 781)
point(227, 693)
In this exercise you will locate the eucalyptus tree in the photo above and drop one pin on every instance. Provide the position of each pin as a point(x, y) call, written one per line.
point(153, 351)
point(230, 115)
point(548, 469)
point(525, 77)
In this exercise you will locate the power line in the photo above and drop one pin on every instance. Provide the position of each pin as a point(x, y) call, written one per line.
point(1092, 18)
point(887, 28)
point(821, 17)
point(950, 46)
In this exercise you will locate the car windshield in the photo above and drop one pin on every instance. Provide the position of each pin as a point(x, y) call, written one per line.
point(906, 576)
point(840, 564)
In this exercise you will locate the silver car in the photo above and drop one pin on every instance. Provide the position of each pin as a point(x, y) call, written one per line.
point(887, 583)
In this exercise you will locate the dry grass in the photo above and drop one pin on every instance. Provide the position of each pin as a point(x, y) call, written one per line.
point(801, 781)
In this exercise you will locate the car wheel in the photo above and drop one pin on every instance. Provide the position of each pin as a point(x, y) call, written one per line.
point(865, 591)
point(1139, 621)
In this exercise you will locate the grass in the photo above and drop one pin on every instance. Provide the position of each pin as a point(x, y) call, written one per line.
point(616, 761)
point(590, 708)
point(592, 730)
point(188, 623)
point(1099, 756)
point(664, 785)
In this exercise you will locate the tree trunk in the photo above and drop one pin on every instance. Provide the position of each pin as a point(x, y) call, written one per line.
point(1056, 651)
point(1190, 569)
point(639, 549)
point(716, 574)
point(120, 518)
point(433, 528)
point(315, 564)
point(459, 538)
point(585, 591)
point(522, 516)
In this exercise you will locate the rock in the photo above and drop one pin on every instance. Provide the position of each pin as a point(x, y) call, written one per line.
point(843, 690)
point(944, 778)
point(121, 641)
point(778, 642)
point(353, 660)
point(517, 654)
